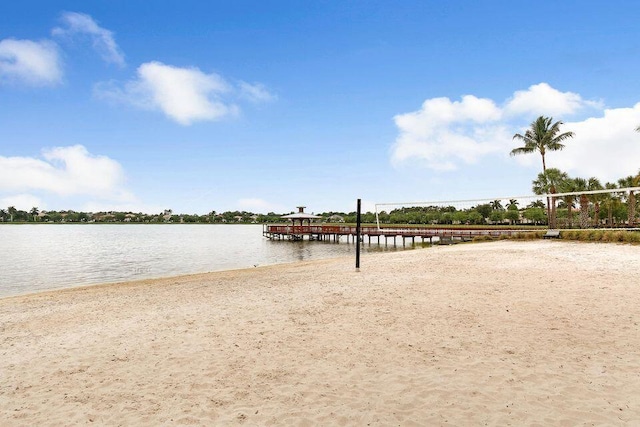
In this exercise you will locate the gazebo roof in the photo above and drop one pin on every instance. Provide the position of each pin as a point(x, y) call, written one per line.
point(301, 215)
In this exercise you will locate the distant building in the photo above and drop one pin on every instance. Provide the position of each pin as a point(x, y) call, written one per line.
point(335, 218)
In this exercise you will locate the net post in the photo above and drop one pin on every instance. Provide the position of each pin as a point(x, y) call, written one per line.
point(358, 236)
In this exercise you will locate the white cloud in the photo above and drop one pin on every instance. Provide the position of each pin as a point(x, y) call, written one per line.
point(22, 202)
point(29, 62)
point(101, 38)
point(543, 100)
point(65, 171)
point(443, 134)
point(106, 206)
point(606, 147)
point(258, 205)
point(256, 92)
point(185, 95)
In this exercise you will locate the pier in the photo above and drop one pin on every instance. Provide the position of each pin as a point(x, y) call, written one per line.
point(336, 232)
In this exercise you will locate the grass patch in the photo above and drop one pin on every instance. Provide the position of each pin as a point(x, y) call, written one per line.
point(483, 238)
point(609, 236)
point(593, 235)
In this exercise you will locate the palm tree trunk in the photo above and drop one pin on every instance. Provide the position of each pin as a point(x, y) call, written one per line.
point(552, 217)
point(596, 214)
point(610, 215)
point(632, 209)
point(553, 221)
point(584, 211)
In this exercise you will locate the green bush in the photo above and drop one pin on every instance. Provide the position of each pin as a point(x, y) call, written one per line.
point(611, 236)
point(569, 235)
point(608, 236)
point(484, 238)
point(632, 237)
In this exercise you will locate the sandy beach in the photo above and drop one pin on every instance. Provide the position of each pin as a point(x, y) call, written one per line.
point(500, 333)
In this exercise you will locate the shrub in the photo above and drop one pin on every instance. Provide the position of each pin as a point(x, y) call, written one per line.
point(569, 235)
point(632, 237)
point(483, 238)
point(612, 236)
point(594, 235)
point(608, 236)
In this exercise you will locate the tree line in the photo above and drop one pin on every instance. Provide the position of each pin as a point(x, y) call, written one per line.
point(488, 213)
point(613, 209)
point(480, 214)
point(544, 136)
point(11, 214)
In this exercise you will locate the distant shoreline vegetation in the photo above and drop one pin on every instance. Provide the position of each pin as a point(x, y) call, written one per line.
point(482, 215)
point(533, 218)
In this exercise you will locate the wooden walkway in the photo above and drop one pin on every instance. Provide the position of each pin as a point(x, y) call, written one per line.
point(335, 232)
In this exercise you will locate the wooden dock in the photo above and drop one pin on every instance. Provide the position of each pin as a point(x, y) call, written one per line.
point(336, 232)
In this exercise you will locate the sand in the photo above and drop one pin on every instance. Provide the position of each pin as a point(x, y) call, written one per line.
point(500, 333)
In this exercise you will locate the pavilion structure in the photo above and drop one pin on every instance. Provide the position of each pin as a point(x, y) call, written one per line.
point(297, 232)
point(301, 216)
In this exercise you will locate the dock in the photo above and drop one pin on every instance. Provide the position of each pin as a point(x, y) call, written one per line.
point(336, 232)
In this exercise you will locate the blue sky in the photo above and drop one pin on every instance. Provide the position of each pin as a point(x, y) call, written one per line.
point(263, 106)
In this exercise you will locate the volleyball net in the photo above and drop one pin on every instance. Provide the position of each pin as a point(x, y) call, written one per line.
point(612, 207)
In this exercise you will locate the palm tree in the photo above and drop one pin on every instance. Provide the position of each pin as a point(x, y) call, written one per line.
point(537, 204)
point(592, 185)
point(34, 213)
point(513, 213)
point(496, 205)
point(631, 181)
point(542, 136)
point(12, 211)
point(580, 184)
point(547, 182)
point(610, 200)
point(569, 186)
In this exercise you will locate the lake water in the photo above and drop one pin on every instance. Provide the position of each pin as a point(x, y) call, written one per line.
point(47, 256)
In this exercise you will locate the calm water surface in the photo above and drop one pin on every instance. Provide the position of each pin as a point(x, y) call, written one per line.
point(43, 257)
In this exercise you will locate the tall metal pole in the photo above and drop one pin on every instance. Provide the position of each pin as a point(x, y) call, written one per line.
point(358, 237)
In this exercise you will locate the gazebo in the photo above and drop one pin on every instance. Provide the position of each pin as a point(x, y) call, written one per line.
point(301, 216)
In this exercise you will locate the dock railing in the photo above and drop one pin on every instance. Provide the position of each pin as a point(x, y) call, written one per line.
point(309, 230)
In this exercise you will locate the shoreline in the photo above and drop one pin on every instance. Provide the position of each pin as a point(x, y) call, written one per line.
point(118, 256)
point(204, 275)
point(507, 332)
point(151, 280)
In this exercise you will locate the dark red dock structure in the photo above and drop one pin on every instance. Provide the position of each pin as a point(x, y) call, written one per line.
point(335, 232)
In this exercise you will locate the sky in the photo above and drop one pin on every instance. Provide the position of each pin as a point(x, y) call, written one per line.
point(263, 106)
